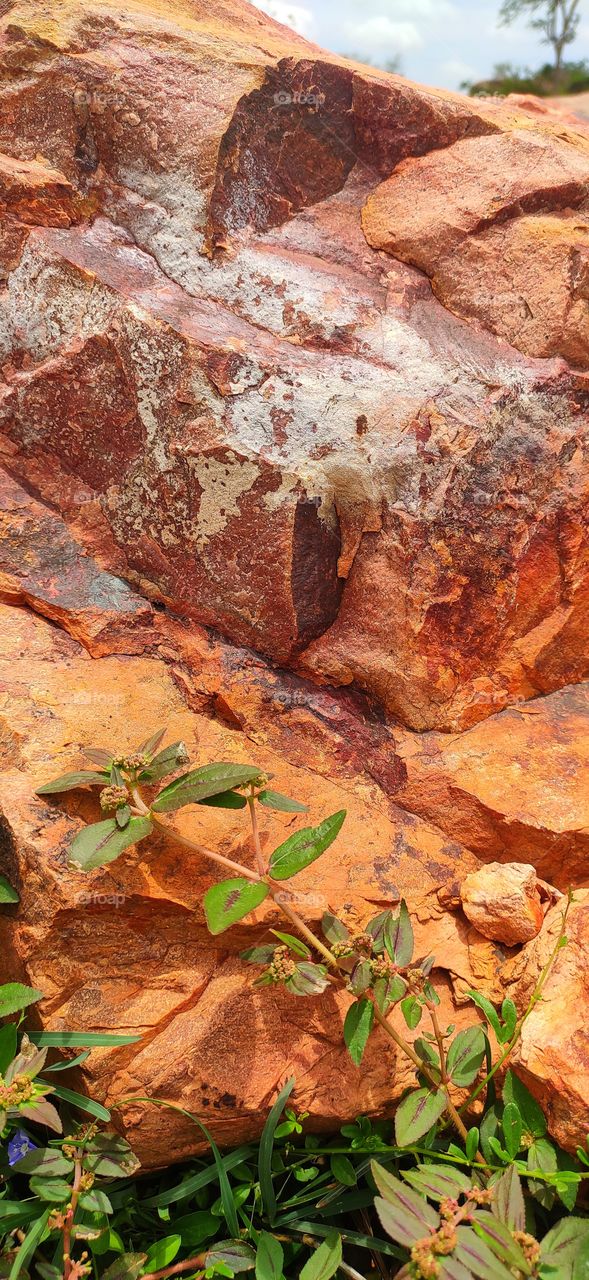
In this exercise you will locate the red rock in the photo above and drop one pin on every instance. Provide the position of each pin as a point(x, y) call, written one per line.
point(503, 902)
point(252, 413)
point(514, 787)
point(552, 1055)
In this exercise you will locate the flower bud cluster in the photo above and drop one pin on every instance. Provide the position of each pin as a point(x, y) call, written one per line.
point(17, 1093)
point(113, 798)
point(282, 965)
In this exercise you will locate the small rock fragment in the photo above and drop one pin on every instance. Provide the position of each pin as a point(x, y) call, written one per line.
point(502, 901)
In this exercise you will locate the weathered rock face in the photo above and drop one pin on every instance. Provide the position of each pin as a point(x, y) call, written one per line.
point(249, 371)
point(246, 403)
point(126, 947)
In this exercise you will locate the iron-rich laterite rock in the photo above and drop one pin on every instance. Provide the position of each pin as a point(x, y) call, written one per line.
point(225, 364)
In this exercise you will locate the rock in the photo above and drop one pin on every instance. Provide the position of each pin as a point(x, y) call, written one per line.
point(502, 902)
point(513, 787)
point(552, 1055)
point(257, 415)
point(224, 404)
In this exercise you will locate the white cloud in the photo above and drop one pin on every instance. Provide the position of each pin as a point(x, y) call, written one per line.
point(382, 36)
point(296, 16)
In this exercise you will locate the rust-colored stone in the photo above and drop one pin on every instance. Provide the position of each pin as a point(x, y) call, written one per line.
point(255, 414)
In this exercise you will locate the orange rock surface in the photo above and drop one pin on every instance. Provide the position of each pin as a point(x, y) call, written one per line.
point(272, 362)
point(219, 367)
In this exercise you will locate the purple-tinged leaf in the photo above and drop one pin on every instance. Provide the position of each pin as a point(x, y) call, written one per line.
point(438, 1181)
point(357, 1028)
point(405, 1215)
point(377, 929)
point(465, 1055)
point(308, 980)
point(283, 804)
point(199, 784)
point(69, 782)
point(360, 978)
point(99, 756)
point(500, 1240)
point(333, 929)
point(102, 842)
point(235, 1254)
point(417, 1113)
point(230, 900)
point(478, 1257)
point(399, 940)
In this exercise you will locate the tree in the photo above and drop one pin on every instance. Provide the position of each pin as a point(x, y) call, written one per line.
point(556, 19)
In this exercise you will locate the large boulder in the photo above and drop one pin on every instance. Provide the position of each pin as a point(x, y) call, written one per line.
point(125, 948)
point(249, 404)
point(245, 385)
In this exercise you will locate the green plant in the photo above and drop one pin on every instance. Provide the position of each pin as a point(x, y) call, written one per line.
point(63, 1198)
point(375, 966)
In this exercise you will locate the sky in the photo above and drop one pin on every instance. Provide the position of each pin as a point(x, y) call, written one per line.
point(438, 42)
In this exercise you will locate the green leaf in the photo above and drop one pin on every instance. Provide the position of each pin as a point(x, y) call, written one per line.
point(225, 800)
point(47, 1161)
point(274, 800)
point(530, 1110)
point(95, 1201)
point(100, 756)
point(388, 991)
point(56, 1190)
point(199, 784)
point(80, 1039)
point(325, 1261)
point(509, 1015)
point(333, 929)
point(162, 1253)
point(269, 1257)
point(472, 1143)
point(151, 744)
point(412, 1011)
point(29, 1245)
point(166, 761)
point(191, 1185)
point(357, 1028)
point(266, 1149)
point(399, 937)
point(81, 1102)
point(542, 1156)
point(512, 1128)
point(110, 1156)
point(235, 1254)
point(69, 781)
point(230, 900)
point(405, 1215)
point(302, 848)
point(123, 816)
point(7, 893)
point(581, 1262)
point(360, 978)
point(7, 1045)
point(417, 1113)
point(438, 1181)
point(562, 1243)
point(128, 1267)
point(14, 997)
point(465, 1055)
point(103, 842)
point(295, 944)
point(343, 1170)
point(489, 1011)
point(196, 1228)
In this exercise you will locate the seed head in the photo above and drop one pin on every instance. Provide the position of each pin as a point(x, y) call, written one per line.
point(282, 965)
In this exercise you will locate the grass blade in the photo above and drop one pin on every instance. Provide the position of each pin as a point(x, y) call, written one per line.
point(78, 1100)
point(267, 1147)
point(79, 1039)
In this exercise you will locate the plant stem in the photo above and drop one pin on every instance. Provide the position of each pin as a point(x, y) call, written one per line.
point(69, 1219)
point(237, 867)
point(251, 804)
point(189, 1264)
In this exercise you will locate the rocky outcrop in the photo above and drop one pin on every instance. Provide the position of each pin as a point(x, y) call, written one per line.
point(273, 363)
point(84, 660)
point(249, 405)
